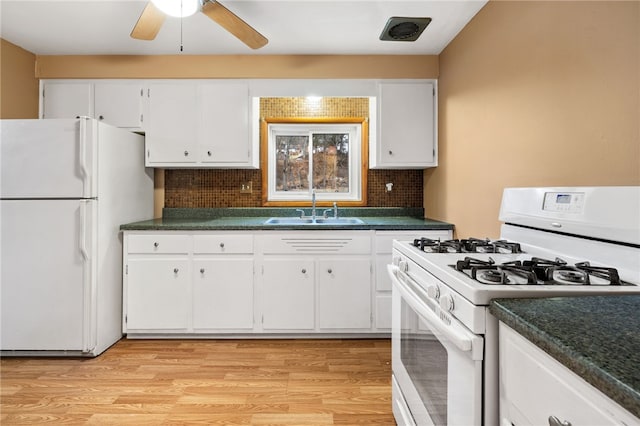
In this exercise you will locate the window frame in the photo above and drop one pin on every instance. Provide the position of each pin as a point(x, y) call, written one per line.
point(322, 198)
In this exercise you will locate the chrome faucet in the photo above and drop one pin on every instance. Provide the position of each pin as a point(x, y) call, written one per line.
point(313, 204)
point(334, 209)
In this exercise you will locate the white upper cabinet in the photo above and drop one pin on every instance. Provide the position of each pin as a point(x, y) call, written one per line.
point(171, 125)
point(195, 124)
point(225, 128)
point(119, 104)
point(66, 100)
point(116, 103)
point(406, 126)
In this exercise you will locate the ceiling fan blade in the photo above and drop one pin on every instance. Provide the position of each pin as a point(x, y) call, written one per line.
point(149, 23)
point(232, 23)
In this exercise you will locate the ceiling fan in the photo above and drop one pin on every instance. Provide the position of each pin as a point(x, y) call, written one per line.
point(156, 11)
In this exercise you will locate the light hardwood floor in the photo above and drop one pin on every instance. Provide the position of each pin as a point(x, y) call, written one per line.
point(212, 382)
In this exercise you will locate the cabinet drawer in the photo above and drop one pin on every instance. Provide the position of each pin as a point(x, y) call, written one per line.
point(158, 244)
point(223, 243)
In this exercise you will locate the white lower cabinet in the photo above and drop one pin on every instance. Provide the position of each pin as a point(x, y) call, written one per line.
point(242, 282)
point(223, 294)
point(344, 293)
point(158, 294)
point(287, 294)
point(535, 389)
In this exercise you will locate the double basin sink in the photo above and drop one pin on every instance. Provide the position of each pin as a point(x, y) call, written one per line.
point(313, 221)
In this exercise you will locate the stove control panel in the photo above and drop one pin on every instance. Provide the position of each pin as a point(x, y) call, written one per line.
point(565, 202)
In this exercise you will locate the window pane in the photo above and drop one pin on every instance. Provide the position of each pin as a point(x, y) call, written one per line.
point(331, 162)
point(292, 163)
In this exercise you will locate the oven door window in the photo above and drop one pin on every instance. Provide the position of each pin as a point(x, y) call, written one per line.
point(425, 360)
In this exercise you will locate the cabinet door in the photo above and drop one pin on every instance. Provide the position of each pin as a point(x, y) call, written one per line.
point(158, 294)
point(288, 294)
point(527, 370)
point(223, 293)
point(225, 130)
point(171, 128)
point(344, 293)
point(67, 100)
point(119, 104)
point(406, 120)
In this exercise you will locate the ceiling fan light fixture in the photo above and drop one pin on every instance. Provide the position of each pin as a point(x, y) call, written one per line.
point(177, 8)
point(404, 29)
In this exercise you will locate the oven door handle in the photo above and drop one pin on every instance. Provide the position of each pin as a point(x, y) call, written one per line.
point(462, 339)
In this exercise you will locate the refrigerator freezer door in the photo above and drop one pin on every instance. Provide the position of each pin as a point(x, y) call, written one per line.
point(48, 158)
point(47, 275)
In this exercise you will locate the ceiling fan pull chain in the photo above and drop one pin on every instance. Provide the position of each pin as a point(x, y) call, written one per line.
point(181, 46)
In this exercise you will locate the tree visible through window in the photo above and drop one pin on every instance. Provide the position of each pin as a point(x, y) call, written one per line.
point(325, 157)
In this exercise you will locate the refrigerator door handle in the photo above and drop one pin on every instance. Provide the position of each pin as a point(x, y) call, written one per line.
point(84, 234)
point(87, 223)
point(86, 141)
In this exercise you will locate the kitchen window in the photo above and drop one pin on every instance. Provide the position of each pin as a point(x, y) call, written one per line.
point(322, 155)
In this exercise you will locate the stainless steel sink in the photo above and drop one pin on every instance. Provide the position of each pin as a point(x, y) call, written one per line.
point(339, 221)
point(288, 221)
point(316, 221)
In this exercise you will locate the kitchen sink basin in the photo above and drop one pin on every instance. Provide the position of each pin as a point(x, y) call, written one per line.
point(340, 221)
point(316, 221)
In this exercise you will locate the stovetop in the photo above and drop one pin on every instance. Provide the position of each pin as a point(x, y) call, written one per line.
point(481, 269)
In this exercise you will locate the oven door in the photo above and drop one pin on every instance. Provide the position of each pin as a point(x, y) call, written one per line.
point(436, 361)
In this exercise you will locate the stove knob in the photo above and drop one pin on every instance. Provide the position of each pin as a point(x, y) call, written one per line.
point(446, 303)
point(433, 291)
point(395, 261)
point(403, 266)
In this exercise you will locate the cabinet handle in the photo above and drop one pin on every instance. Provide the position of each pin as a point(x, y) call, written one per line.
point(186, 153)
point(221, 245)
point(209, 153)
point(202, 270)
point(554, 421)
point(175, 270)
point(156, 244)
point(329, 271)
point(304, 271)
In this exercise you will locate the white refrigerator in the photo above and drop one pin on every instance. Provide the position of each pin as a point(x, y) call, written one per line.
point(65, 188)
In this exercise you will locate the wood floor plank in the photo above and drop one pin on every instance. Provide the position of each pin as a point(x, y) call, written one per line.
point(209, 382)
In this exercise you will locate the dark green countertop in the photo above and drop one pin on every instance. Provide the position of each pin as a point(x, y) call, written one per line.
point(597, 337)
point(385, 218)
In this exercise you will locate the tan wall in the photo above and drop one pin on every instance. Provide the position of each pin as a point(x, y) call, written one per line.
point(238, 66)
point(18, 85)
point(535, 94)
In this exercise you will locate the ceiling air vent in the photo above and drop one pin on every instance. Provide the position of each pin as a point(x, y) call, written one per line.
point(404, 29)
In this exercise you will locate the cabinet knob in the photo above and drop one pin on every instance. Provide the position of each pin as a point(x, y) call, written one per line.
point(101, 117)
point(209, 153)
point(221, 245)
point(390, 152)
point(554, 421)
point(329, 271)
point(156, 244)
point(186, 153)
point(202, 270)
point(304, 271)
point(175, 270)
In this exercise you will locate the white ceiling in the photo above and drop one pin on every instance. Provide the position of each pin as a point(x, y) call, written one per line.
point(293, 27)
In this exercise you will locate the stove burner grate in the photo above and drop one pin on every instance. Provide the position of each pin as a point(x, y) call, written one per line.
point(537, 271)
point(468, 245)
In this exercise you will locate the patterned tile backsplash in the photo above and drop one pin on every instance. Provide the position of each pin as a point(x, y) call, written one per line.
point(189, 188)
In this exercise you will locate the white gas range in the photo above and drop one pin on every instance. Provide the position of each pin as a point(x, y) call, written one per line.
point(553, 242)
